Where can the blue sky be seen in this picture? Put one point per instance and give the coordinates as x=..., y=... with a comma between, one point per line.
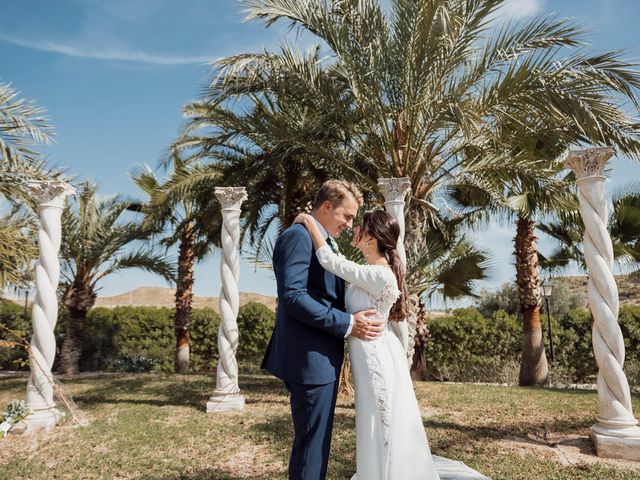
x=114, y=75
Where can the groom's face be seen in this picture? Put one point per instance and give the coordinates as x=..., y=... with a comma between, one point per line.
x=339, y=218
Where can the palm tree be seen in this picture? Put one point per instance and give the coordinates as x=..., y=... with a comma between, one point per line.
x=407, y=92
x=524, y=197
x=17, y=248
x=22, y=126
x=422, y=91
x=97, y=243
x=281, y=139
x=446, y=266
x=624, y=227
x=189, y=227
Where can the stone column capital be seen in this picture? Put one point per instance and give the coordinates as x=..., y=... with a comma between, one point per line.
x=231, y=197
x=589, y=162
x=51, y=193
x=394, y=189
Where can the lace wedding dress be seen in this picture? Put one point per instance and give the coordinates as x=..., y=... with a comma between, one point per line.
x=391, y=443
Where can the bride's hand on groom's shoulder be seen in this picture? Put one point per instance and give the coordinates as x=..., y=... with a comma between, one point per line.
x=365, y=326
x=303, y=218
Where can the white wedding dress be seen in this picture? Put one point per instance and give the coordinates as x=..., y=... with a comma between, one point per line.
x=391, y=443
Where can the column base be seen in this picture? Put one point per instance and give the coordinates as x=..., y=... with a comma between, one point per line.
x=223, y=402
x=616, y=443
x=38, y=421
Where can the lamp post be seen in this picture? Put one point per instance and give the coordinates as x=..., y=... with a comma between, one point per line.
x=547, y=290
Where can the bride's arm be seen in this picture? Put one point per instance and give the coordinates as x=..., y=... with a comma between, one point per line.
x=366, y=277
x=312, y=227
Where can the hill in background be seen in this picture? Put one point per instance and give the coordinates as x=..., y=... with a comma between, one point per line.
x=166, y=297
x=628, y=287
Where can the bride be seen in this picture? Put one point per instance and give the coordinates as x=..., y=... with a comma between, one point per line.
x=391, y=443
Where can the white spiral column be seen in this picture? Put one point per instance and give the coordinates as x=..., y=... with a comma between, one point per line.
x=616, y=434
x=227, y=395
x=394, y=190
x=51, y=197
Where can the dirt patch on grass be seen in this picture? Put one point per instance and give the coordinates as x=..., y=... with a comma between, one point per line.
x=569, y=450
x=252, y=461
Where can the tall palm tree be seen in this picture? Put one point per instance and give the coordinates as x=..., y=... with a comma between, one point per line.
x=525, y=198
x=97, y=242
x=426, y=85
x=409, y=91
x=189, y=226
x=393, y=95
x=22, y=127
x=281, y=139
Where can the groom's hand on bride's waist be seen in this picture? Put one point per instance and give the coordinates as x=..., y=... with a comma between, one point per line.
x=366, y=326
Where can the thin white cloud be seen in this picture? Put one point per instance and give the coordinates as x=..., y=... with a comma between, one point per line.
x=106, y=53
x=518, y=9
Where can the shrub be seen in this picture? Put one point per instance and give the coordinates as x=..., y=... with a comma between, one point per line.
x=255, y=324
x=203, y=342
x=469, y=347
x=111, y=334
x=573, y=348
x=134, y=363
x=12, y=318
x=466, y=346
x=143, y=338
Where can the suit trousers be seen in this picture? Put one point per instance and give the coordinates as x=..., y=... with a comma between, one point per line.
x=312, y=409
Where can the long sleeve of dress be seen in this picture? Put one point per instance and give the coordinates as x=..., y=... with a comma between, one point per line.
x=367, y=277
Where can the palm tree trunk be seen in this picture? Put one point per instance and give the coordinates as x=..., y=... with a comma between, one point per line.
x=184, y=296
x=533, y=369
x=78, y=301
x=422, y=336
x=416, y=221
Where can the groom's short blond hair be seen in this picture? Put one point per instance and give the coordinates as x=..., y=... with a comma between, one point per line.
x=335, y=191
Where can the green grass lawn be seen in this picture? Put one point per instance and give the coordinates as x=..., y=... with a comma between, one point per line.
x=154, y=427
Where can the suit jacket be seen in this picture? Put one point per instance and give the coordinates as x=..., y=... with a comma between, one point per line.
x=307, y=345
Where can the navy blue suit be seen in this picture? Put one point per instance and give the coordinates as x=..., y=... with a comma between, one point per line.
x=307, y=347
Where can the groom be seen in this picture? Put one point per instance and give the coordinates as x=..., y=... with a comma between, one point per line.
x=307, y=346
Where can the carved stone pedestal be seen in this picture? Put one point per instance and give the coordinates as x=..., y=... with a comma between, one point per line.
x=221, y=402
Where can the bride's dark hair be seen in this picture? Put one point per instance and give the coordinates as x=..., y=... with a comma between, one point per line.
x=385, y=229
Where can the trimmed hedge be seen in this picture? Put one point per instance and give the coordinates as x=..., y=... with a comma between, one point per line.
x=142, y=338
x=465, y=346
x=469, y=347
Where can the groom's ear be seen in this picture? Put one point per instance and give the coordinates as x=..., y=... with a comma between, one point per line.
x=326, y=206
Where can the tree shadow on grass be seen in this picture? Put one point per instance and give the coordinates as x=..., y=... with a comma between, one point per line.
x=11, y=383
x=149, y=392
x=460, y=434
x=170, y=391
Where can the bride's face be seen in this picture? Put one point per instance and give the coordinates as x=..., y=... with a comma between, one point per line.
x=360, y=239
